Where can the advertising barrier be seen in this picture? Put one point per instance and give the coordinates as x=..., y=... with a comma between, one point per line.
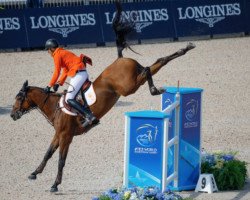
x=13, y=32
x=77, y=25
x=209, y=17
x=30, y=28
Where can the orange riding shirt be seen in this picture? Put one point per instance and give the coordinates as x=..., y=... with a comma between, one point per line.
x=67, y=61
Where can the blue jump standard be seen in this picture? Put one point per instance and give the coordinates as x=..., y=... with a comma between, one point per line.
x=151, y=159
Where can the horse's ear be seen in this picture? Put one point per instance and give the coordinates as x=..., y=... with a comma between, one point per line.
x=25, y=85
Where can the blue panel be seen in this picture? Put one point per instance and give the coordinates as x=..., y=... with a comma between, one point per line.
x=77, y=25
x=208, y=17
x=152, y=19
x=190, y=139
x=12, y=29
x=145, y=152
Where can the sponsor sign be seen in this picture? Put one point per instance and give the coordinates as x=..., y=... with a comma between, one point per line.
x=208, y=17
x=77, y=25
x=12, y=30
x=152, y=20
x=30, y=28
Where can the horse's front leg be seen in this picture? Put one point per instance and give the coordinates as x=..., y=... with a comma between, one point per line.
x=64, y=147
x=52, y=148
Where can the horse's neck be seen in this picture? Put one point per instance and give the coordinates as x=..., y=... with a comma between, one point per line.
x=47, y=103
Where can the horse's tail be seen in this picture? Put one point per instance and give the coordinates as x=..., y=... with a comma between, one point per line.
x=122, y=28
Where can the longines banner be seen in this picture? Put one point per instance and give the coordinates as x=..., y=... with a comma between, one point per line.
x=209, y=17
x=77, y=25
x=12, y=30
x=30, y=28
x=151, y=19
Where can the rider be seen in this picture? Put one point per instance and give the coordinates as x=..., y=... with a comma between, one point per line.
x=74, y=67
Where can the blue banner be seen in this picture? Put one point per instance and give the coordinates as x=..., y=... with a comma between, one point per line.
x=30, y=28
x=12, y=30
x=208, y=17
x=152, y=19
x=77, y=25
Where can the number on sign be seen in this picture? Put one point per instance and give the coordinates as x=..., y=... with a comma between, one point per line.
x=203, y=183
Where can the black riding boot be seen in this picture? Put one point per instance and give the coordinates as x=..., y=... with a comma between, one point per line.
x=85, y=111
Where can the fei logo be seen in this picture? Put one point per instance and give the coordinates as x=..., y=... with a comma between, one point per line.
x=147, y=135
x=63, y=24
x=168, y=102
x=209, y=14
x=141, y=18
x=191, y=112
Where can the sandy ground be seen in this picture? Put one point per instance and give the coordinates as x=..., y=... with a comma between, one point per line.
x=95, y=161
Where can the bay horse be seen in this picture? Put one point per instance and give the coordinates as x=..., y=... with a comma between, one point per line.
x=122, y=78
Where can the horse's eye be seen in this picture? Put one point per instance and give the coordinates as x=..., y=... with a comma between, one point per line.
x=19, y=98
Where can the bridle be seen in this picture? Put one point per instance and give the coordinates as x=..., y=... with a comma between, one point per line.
x=22, y=97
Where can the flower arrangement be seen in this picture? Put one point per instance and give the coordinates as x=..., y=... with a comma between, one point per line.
x=137, y=193
x=229, y=172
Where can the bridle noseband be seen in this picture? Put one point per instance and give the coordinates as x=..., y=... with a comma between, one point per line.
x=21, y=97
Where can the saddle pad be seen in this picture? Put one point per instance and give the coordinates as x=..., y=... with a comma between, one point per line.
x=65, y=109
x=90, y=97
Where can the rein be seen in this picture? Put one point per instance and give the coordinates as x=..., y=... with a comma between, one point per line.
x=54, y=115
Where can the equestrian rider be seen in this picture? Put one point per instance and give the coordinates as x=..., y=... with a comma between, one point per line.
x=74, y=67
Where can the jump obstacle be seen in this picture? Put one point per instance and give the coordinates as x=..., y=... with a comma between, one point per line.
x=162, y=148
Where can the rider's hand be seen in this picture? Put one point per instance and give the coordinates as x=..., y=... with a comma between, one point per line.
x=55, y=87
x=47, y=89
x=87, y=60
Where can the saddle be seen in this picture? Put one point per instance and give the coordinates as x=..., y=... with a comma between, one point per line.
x=85, y=96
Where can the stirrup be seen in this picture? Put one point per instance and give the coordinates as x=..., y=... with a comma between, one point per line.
x=93, y=121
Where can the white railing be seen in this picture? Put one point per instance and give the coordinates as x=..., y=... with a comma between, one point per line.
x=168, y=178
x=13, y=4
x=20, y=4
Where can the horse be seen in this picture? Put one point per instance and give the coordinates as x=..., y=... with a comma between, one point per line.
x=122, y=78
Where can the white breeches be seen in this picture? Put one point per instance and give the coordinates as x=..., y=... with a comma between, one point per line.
x=75, y=84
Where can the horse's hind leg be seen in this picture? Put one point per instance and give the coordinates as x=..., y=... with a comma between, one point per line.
x=52, y=148
x=163, y=61
x=153, y=90
x=149, y=71
x=64, y=147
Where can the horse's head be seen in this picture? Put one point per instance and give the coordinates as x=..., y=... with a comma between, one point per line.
x=22, y=104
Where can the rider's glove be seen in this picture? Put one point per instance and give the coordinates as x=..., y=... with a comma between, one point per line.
x=55, y=87
x=47, y=89
x=87, y=60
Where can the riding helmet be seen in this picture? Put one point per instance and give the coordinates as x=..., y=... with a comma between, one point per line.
x=51, y=43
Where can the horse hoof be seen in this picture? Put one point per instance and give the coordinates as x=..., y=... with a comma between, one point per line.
x=191, y=45
x=32, y=177
x=53, y=189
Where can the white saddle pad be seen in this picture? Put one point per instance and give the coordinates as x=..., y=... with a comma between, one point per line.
x=90, y=97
